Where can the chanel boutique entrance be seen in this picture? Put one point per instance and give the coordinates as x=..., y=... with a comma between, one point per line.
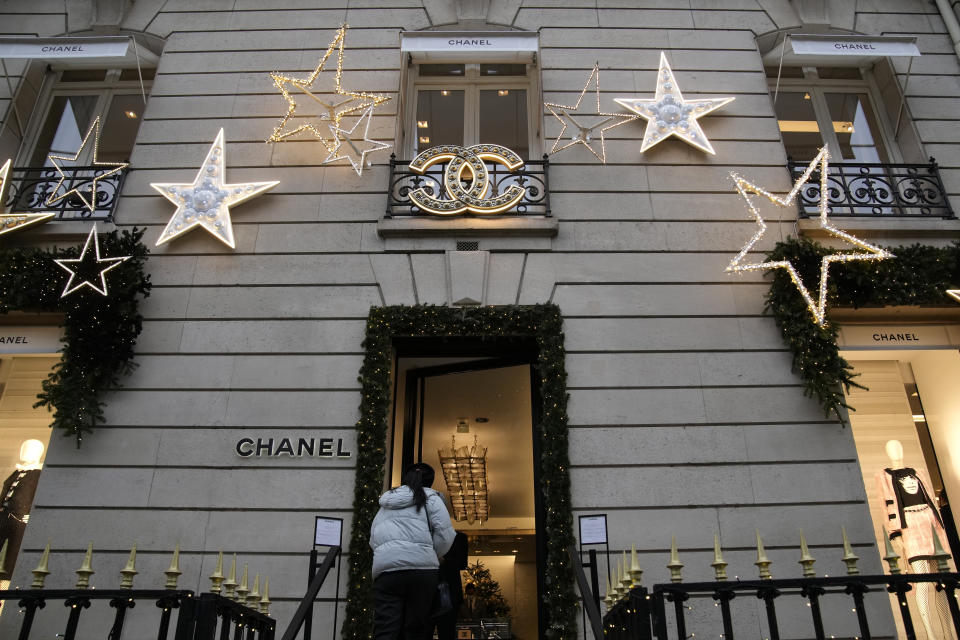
x=470, y=414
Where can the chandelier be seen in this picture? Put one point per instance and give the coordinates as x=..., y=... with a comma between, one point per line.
x=465, y=472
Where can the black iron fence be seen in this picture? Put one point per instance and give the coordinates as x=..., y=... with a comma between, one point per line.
x=183, y=615
x=661, y=612
x=90, y=197
x=875, y=190
x=531, y=177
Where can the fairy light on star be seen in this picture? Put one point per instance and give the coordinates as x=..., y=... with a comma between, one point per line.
x=88, y=262
x=571, y=117
x=343, y=102
x=347, y=145
x=669, y=114
x=16, y=221
x=954, y=293
x=91, y=204
x=207, y=200
x=818, y=306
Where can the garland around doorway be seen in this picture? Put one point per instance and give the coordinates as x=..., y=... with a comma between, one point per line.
x=544, y=324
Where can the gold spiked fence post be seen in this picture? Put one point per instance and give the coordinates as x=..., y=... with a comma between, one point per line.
x=86, y=569
x=231, y=582
x=216, y=578
x=636, y=573
x=719, y=564
x=625, y=575
x=849, y=557
x=242, y=588
x=890, y=556
x=806, y=560
x=675, y=566
x=763, y=562
x=173, y=571
x=265, y=598
x=129, y=571
x=43, y=569
x=254, y=596
x=3, y=560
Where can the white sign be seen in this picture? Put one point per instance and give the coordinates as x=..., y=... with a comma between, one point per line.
x=36, y=340
x=854, y=45
x=593, y=529
x=49, y=48
x=468, y=41
x=894, y=336
x=328, y=532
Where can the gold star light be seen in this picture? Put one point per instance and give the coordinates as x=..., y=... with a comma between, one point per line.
x=344, y=138
x=344, y=102
x=954, y=293
x=206, y=202
x=91, y=204
x=818, y=308
x=14, y=221
x=89, y=263
x=584, y=134
x=668, y=114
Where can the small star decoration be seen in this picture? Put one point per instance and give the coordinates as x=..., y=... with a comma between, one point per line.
x=206, y=202
x=91, y=204
x=585, y=134
x=14, y=221
x=87, y=264
x=345, y=139
x=343, y=103
x=818, y=308
x=668, y=114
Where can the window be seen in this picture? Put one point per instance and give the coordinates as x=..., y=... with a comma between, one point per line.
x=471, y=103
x=819, y=106
x=76, y=98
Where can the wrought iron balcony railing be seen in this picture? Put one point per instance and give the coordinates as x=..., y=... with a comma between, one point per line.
x=532, y=177
x=32, y=187
x=875, y=190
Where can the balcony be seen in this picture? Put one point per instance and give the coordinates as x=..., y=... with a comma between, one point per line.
x=31, y=187
x=531, y=177
x=866, y=190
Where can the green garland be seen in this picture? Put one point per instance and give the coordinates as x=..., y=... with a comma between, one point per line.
x=545, y=325
x=99, y=332
x=917, y=275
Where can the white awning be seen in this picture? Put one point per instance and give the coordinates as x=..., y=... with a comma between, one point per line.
x=470, y=46
x=76, y=51
x=839, y=50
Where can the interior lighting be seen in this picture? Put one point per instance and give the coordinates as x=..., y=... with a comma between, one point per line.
x=811, y=126
x=444, y=92
x=806, y=96
x=919, y=417
x=424, y=139
x=131, y=114
x=422, y=124
x=465, y=473
x=503, y=92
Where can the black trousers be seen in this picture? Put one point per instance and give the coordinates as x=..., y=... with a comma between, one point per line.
x=401, y=604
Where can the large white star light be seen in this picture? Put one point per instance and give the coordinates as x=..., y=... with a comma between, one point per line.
x=818, y=307
x=346, y=147
x=13, y=221
x=584, y=133
x=668, y=114
x=206, y=202
x=88, y=263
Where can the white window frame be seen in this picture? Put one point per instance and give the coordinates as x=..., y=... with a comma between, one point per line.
x=104, y=90
x=471, y=83
x=818, y=88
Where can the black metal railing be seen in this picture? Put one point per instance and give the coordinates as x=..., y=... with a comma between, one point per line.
x=589, y=592
x=532, y=177
x=32, y=187
x=875, y=190
x=302, y=614
x=205, y=617
x=643, y=614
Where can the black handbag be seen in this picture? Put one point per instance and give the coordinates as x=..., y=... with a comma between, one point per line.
x=442, y=600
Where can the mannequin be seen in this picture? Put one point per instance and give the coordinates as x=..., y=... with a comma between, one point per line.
x=912, y=517
x=17, y=498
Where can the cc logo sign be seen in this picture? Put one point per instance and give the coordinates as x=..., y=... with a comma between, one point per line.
x=466, y=179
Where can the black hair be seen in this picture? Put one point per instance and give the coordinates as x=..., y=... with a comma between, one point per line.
x=417, y=476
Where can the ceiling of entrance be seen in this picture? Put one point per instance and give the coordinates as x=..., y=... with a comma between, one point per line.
x=502, y=397
x=20, y=380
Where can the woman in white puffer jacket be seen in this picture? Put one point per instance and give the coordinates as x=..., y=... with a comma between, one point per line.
x=409, y=533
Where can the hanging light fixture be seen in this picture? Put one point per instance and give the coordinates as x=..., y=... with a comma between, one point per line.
x=465, y=472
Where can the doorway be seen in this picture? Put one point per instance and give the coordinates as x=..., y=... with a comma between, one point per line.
x=471, y=417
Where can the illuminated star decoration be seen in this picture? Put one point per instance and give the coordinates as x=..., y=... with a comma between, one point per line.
x=343, y=103
x=584, y=134
x=817, y=308
x=954, y=293
x=13, y=221
x=345, y=138
x=89, y=263
x=668, y=114
x=91, y=204
x=206, y=202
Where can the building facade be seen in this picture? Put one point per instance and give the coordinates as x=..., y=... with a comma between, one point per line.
x=685, y=416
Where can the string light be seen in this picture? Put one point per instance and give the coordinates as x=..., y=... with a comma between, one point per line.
x=817, y=308
x=668, y=114
x=110, y=263
x=344, y=137
x=14, y=221
x=583, y=135
x=206, y=202
x=353, y=102
x=91, y=204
